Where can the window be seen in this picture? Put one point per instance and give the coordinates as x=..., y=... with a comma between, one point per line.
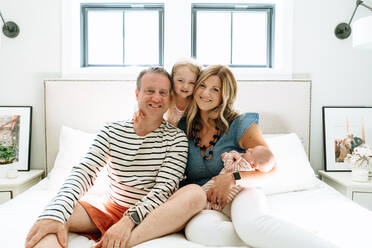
x=257, y=35
x=239, y=35
x=122, y=35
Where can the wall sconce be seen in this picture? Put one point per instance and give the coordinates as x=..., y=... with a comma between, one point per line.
x=10, y=29
x=362, y=36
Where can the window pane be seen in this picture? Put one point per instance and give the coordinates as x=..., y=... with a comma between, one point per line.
x=213, y=37
x=141, y=37
x=105, y=37
x=249, y=38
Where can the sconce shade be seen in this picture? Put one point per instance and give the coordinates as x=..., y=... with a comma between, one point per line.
x=362, y=33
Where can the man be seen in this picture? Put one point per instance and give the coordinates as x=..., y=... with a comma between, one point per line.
x=146, y=159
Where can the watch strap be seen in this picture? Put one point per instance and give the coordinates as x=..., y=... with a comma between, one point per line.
x=237, y=177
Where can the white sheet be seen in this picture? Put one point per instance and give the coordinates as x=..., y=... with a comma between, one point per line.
x=18, y=215
x=321, y=210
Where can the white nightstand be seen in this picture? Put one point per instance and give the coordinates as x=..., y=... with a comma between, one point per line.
x=361, y=193
x=10, y=187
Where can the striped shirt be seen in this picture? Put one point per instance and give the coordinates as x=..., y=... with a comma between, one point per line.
x=143, y=171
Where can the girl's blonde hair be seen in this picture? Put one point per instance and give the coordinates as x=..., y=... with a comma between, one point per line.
x=189, y=63
x=224, y=113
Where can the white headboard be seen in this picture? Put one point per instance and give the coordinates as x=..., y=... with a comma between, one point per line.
x=284, y=106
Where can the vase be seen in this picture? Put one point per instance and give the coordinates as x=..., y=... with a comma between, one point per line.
x=359, y=175
x=3, y=170
x=370, y=168
x=12, y=171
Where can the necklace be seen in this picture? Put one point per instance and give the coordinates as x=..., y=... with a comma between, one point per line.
x=179, y=111
x=203, y=148
x=176, y=115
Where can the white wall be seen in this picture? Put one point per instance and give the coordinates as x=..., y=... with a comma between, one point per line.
x=341, y=75
x=28, y=59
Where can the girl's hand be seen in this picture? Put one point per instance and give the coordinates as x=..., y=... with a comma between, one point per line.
x=220, y=189
x=138, y=116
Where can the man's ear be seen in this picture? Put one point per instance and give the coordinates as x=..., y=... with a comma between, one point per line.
x=136, y=92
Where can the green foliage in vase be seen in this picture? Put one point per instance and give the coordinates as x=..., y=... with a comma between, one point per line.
x=8, y=154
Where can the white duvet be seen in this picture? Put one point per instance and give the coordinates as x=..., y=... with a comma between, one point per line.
x=321, y=210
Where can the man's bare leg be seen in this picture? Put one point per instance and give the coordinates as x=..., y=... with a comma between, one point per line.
x=171, y=216
x=78, y=222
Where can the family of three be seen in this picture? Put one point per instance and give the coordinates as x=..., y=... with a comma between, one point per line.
x=185, y=135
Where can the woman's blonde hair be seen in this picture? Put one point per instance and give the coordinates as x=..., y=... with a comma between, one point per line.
x=224, y=113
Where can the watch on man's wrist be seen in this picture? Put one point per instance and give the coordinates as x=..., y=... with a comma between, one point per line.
x=135, y=218
x=237, y=177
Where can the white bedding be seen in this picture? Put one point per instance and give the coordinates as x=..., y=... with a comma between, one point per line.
x=316, y=207
x=321, y=210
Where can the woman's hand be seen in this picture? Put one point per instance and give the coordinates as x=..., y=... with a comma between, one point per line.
x=117, y=236
x=220, y=189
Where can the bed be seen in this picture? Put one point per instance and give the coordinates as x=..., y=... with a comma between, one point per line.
x=76, y=109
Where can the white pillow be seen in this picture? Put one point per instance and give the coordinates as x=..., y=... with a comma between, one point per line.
x=73, y=145
x=293, y=171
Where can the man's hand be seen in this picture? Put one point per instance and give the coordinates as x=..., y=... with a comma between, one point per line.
x=43, y=227
x=117, y=235
x=220, y=189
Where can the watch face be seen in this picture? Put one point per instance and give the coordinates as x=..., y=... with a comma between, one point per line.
x=236, y=175
x=135, y=217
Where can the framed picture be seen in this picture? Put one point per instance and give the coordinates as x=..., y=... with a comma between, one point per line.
x=344, y=129
x=15, y=136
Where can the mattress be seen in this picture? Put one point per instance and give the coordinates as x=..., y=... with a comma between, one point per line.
x=321, y=210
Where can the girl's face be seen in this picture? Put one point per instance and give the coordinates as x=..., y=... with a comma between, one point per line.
x=208, y=95
x=184, y=81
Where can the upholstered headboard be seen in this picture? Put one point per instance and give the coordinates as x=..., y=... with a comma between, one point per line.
x=284, y=106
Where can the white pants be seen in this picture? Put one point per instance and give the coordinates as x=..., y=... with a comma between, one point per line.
x=251, y=224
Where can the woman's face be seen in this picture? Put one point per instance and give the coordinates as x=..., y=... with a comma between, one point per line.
x=208, y=95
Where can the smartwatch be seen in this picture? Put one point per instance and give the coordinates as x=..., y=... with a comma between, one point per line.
x=237, y=177
x=135, y=218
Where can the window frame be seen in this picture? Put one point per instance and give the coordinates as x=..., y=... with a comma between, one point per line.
x=124, y=7
x=237, y=7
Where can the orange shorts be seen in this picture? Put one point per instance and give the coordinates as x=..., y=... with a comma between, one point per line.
x=103, y=216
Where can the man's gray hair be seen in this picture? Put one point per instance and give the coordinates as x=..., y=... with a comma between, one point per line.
x=154, y=69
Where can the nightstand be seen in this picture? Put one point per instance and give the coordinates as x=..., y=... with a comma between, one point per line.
x=10, y=187
x=361, y=193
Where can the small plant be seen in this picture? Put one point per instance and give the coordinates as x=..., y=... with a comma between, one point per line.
x=8, y=154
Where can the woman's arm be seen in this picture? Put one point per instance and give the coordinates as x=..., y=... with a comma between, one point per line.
x=252, y=137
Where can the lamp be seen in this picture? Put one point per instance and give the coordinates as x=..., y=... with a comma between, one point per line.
x=10, y=29
x=362, y=36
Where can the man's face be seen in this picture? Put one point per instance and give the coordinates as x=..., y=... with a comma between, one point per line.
x=154, y=96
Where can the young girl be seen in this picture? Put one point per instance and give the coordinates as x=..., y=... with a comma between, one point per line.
x=184, y=74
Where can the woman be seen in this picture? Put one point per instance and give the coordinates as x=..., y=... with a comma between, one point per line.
x=213, y=127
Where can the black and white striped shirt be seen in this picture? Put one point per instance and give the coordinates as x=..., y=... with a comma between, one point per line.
x=143, y=171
